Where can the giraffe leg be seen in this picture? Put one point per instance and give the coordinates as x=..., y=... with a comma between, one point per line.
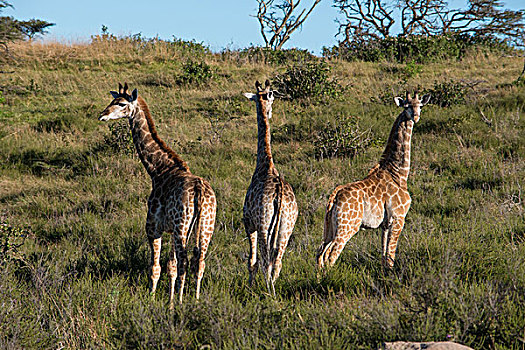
x=335, y=247
x=154, y=269
x=204, y=243
x=386, y=226
x=390, y=239
x=182, y=265
x=252, y=259
x=172, y=270
x=282, y=244
x=265, y=258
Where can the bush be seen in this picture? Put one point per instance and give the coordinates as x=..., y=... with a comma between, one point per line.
x=119, y=139
x=269, y=56
x=196, y=73
x=448, y=93
x=416, y=48
x=11, y=238
x=343, y=138
x=443, y=94
x=310, y=80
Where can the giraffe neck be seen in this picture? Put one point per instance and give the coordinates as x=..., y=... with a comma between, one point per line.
x=264, y=150
x=396, y=157
x=156, y=156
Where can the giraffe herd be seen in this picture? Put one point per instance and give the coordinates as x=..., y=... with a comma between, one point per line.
x=183, y=204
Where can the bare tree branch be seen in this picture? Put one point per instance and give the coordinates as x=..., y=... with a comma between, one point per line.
x=278, y=21
x=375, y=19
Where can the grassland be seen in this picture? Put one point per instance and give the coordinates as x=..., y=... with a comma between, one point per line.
x=80, y=278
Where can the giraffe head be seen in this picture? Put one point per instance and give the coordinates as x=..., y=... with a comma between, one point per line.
x=263, y=98
x=123, y=104
x=412, y=106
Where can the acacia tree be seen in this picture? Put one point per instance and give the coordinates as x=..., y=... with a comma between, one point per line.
x=364, y=19
x=278, y=19
x=12, y=29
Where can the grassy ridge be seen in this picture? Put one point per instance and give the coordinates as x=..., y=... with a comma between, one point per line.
x=80, y=279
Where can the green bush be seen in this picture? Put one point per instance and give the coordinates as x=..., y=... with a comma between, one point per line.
x=11, y=239
x=448, y=93
x=342, y=138
x=196, y=73
x=119, y=139
x=415, y=48
x=307, y=81
x=268, y=56
x=443, y=94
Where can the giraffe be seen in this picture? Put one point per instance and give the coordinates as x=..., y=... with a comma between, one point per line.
x=382, y=198
x=180, y=203
x=270, y=208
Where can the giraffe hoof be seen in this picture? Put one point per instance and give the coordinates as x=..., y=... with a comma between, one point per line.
x=388, y=264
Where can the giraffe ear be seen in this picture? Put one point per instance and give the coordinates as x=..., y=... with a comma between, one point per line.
x=250, y=96
x=399, y=101
x=134, y=95
x=114, y=94
x=425, y=99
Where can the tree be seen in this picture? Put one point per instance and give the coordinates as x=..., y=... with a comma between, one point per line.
x=278, y=22
x=34, y=27
x=12, y=29
x=366, y=19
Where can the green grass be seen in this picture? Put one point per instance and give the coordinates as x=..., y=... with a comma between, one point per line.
x=80, y=279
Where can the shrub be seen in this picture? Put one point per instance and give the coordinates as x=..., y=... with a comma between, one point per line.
x=119, y=139
x=196, y=73
x=416, y=48
x=269, y=56
x=11, y=238
x=310, y=80
x=343, y=138
x=448, y=93
x=412, y=69
x=443, y=94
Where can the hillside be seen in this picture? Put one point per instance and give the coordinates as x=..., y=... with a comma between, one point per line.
x=73, y=195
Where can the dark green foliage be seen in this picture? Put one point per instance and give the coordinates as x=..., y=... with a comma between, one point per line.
x=444, y=94
x=34, y=27
x=119, y=139
x=197, y=73
x=11, y=239
x=257, y=54
x=310, y=81
x=12, y=29
x=448, y=93
x=412, y=69
x=416, y=48
x=343, y=138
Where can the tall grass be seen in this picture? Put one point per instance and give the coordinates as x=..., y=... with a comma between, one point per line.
x=80, y=278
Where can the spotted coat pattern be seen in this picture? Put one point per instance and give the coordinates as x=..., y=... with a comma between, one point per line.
x=270, y=209
x=180, y=203
x=381, y=199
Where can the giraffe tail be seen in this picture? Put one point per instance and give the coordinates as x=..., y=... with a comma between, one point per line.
x=196, y=224
x=275, y=224
x=328, y=234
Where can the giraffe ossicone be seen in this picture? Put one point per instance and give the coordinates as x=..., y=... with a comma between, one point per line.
x=270, y=208
x=381, y=199
x=180, y=203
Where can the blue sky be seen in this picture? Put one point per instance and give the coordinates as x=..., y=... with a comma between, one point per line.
x=218, y=24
